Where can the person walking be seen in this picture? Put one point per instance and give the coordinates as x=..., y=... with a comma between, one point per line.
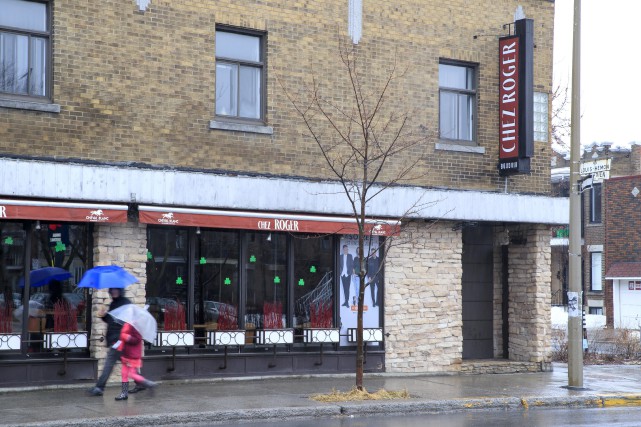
x=130, y=346
x=113, y=335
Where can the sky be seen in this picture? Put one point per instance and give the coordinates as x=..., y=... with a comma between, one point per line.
x=610, y=67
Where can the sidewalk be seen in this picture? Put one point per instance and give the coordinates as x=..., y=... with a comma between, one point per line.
x=287, y=398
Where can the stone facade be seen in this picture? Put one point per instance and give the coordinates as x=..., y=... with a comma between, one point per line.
x=529, y=304
x=423, y=302
x=124, y=245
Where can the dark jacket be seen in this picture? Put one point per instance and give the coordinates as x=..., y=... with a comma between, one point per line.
x=131, y=342
x=113, y=327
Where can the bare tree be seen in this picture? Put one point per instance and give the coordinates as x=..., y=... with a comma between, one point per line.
x=560, y=130
x=369, y=144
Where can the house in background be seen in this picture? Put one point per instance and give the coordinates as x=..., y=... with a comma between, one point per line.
x=595, y=214
x=622, y=261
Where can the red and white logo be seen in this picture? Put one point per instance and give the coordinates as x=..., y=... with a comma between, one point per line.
x=167, y=218
x=97, y=215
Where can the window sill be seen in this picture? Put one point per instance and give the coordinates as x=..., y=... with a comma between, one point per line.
x=448, y=146
x=241, y=127
x=33, y=106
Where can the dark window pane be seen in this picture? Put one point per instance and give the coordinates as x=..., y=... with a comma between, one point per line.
x=167, y=276
x=266, y=271
x=595, y=204
x=216, y=292
x=313, y=282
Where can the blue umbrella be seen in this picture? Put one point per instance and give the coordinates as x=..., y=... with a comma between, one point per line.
x=43, y=276
x=107, y=276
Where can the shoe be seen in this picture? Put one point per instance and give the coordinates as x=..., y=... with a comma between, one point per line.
x=137, y=388
x=124, y=394
x=96, y=391
x=151, y=386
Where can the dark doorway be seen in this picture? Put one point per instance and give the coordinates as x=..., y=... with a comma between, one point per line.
x=477, y=293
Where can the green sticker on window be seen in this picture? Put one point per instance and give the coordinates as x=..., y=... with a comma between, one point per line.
x=203, y=260
x=301, y=282
x=312, y=269
x=252, y=258
x=276, y=279
x=179, y=280
x=8, y=241
x=149, y=255
x=227, y=281
x=60, y=247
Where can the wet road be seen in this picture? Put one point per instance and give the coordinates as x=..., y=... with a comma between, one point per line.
x=583, y=417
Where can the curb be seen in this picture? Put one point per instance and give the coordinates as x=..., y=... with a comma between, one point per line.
x=352, y=409
x=178, y=418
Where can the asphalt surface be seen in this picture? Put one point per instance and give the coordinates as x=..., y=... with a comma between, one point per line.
x=280, y=398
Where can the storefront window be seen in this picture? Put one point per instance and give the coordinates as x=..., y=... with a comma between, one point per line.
x=266, y=272
x=313, y=282
x=168, y=277
x=216, y=282
x=54, y=305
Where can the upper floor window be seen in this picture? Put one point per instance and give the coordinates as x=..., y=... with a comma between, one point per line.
x=595, y=203
x=239, y=75
x=457, y=101
x=24, y=48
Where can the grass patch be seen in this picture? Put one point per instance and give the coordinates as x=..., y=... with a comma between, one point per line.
x=355, y=394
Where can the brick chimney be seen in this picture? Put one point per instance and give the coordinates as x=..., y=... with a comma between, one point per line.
x=635, y=158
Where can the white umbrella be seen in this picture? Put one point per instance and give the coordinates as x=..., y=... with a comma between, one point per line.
x=137, y=317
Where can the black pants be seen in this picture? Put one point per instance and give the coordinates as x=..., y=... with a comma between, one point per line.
x=113, y=356
x=347, y=281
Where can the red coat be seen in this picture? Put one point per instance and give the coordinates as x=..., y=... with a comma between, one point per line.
x=131, y=342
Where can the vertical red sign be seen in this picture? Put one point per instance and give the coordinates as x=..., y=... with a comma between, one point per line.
x=509, y=98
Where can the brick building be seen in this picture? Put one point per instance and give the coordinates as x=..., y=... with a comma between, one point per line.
x=159, y=136
x=625, y=162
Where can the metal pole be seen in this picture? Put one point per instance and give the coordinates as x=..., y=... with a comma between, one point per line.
x=575, y=332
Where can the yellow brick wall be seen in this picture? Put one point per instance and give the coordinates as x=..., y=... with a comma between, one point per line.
x=139, y=87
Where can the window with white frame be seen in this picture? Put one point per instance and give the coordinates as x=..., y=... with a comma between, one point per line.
x=595, y=270
x=457, y=101
x=24, y=48
x=239, y=75
x=541, y=116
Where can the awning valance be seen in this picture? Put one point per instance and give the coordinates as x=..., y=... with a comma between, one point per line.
x=61, y=211
x=264, y=221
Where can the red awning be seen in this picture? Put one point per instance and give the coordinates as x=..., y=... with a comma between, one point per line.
x=264, y=221
x=60, y=211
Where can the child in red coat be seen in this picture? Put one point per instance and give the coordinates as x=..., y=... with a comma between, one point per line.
x=130, y=344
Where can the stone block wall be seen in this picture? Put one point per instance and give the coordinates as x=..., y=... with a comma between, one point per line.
x=124, y=245
x=423, y=299
x=530, y=299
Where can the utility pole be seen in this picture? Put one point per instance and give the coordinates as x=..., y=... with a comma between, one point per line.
x=575, y=313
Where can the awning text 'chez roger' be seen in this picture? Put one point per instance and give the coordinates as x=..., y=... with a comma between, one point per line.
x=264, y=221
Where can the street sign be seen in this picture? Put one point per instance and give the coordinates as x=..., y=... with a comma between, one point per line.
x=588, y=168
x=599, y=176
